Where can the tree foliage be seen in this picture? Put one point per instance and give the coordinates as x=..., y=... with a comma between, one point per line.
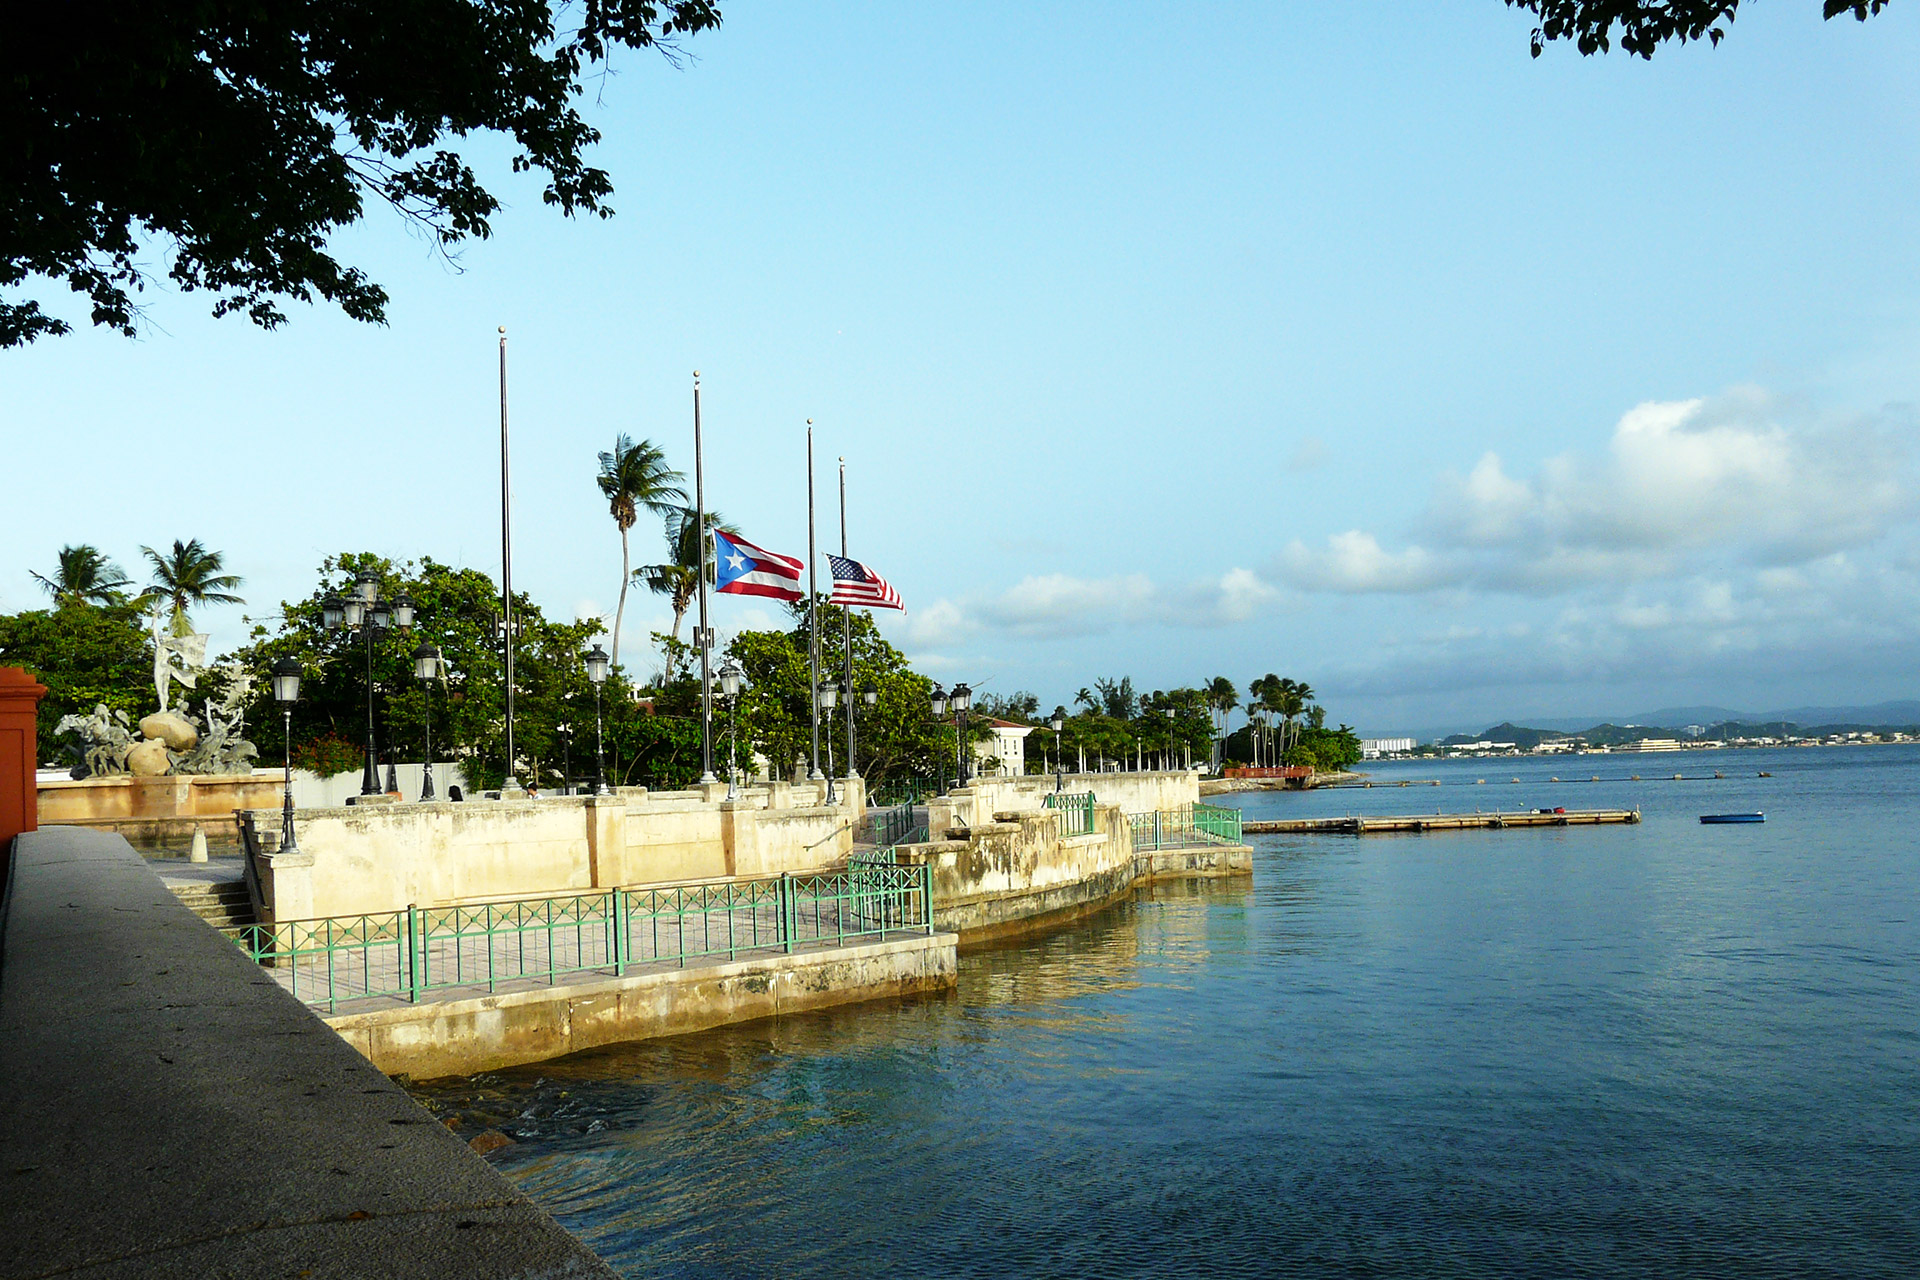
x=85, y=655
x=1644, y=25
x=238, y=135
x=83, y=575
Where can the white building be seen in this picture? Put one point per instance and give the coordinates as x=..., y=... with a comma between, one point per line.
x=1374, y=748
x=1006, y=749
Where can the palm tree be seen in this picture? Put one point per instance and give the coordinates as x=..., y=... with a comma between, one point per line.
x=187, y=576
x=85, y=576
x=679, y=578
x=1221, y=699
x=635, y=474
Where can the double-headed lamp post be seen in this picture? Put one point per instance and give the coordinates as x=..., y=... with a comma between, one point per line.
x=365, y=610
x=961, y=702
x=828, y=697
x=598, y=666
x=1057, y=723
x=426, y=665
x=286, y=692
x=731, y=677
x=937, y=704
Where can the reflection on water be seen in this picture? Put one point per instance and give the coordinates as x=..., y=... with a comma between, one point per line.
x=1662, y=1049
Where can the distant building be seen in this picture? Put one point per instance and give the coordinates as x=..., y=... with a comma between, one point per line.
x=1650, y=744
x=1007, y=747
x=1374, y=748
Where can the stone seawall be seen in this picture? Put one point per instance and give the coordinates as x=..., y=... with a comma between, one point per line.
x=460, y=1037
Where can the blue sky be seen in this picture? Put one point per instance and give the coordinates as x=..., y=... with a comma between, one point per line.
x=1350, y=344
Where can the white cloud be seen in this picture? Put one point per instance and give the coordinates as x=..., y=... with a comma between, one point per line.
x=1741, y=479
x=1356, y=562
x=1059, y=606
x=1308, y=455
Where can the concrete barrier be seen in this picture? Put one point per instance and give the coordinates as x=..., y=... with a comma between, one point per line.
x=485, y=1033
x=167, y=1110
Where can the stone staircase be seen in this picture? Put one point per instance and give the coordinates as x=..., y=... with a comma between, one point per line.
x=221, y=903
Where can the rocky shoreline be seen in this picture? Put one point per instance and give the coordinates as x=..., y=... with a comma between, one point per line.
x=1225, y=786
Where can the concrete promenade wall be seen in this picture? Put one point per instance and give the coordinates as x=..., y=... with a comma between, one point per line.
x=360, y=859
x=1013, y=877
x=167, y=1110
x=157, y=810
x=1162, y=791
x=460, y=1037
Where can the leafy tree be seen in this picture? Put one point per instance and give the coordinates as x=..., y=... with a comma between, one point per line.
x=635, y=474
x=85, y=655
x=242, y=133
x=84, y=575
x=186, y=576
x=678, y=578
x=1645, y=25
x=1117, y=698
x=456, y=610
x=1020, y=706
x=895, y=737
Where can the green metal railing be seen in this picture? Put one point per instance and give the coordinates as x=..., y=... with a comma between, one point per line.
x=891, y=794
x=407, y=954
x=1075, y=809
x=1189, y=827
x=897, y=826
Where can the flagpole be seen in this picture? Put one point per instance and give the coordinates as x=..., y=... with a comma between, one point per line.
x=846, y=629
x=705, y=636
x=813, y=629
x=511, y=783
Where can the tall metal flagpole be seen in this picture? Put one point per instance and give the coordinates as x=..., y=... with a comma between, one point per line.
x=813, y=629
x=846, y=631
x=506, y=558
x=705, y=636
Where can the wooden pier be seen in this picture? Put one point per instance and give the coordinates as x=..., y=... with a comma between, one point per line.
x=1417, y=822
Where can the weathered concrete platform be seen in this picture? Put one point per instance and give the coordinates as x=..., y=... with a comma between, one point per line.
x=1421, y=822
x=484, y=1033
x=167, y=1110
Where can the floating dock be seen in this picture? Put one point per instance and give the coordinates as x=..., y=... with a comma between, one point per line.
x=1416, y=822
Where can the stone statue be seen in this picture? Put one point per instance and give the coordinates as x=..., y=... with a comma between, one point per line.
x=170, y=739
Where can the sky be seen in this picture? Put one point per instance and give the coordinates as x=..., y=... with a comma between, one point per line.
x=1345, y=342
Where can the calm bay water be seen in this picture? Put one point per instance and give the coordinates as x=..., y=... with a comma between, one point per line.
x=1621, y=1051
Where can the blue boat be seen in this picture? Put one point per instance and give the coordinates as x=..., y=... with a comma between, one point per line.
x=1716, y=818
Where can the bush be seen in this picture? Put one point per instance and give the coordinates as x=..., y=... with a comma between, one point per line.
x=329, y=754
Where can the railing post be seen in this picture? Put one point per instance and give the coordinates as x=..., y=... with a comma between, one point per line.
x=926, y=894
x=1156, y=830
x=413, y=953
x=617, y=921
x=788, y=918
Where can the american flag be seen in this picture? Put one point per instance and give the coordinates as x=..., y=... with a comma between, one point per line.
x=855, y=584
x=742, y=569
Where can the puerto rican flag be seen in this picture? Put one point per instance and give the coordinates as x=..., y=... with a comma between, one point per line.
x=855, y=584
x=742, y=569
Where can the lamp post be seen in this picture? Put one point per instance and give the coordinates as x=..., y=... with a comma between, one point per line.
x=364, y=610
x=961, y=701
x=869, y=696
x=937, y=703
x=426, y=665
x=730, y=678
x=827, y=696
x=598, y=664
x=286, y=692
x=1056, y=724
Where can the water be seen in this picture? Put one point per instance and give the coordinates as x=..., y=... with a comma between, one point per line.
x=1665, y=1049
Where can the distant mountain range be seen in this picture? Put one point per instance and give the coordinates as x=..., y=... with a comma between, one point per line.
x=1880, y=715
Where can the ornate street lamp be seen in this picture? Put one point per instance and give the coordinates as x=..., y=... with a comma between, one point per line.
x=937, y=703
x=828, y=697
x=426, y=665
x=286, y=691
x=1056, y=724
x=731, y=677
x=364, y=610
x=598, y=665
x=961, y=701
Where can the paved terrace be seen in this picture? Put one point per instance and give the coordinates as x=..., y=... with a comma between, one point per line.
x=167, y=1110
